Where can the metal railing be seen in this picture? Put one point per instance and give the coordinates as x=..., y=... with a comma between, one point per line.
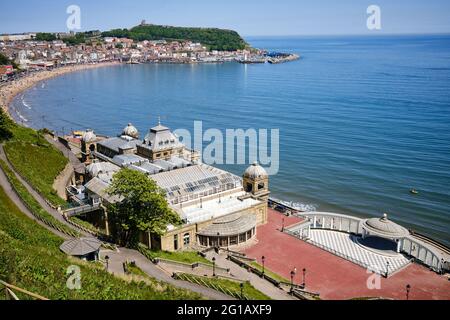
x=81, y=210
x=340, y=254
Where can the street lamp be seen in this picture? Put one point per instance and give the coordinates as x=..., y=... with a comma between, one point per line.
x=387, y=269
x=282, y=227
x=304, y=279
x=293, y=272
x=214, y=266
x=408, y=290
x=263, y=259
x=107, y=262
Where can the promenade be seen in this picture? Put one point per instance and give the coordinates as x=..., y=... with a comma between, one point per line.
x=336, y=278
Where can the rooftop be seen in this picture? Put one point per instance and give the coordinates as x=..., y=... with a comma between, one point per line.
x=385, y=228
x=231, y=225
x=218, y=207
x=80, y=247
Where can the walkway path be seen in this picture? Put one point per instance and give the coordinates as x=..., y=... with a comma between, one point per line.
x=116, y=260
x=42, y=202
x=4, y=183
x=240, y=273
x=336, y=278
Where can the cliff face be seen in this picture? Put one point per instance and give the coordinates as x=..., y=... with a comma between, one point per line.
x=215, y=39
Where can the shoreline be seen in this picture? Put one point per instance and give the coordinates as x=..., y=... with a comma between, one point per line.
x=12, y=89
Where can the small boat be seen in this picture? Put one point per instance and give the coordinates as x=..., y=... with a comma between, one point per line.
x=414, y=191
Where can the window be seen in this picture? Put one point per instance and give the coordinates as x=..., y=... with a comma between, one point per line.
x=186, y=239
x=203, y=241
x=261, y=186
x=175, y=242
x=249, y=187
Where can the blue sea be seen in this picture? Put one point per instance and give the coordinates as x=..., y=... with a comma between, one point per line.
x=362, y=119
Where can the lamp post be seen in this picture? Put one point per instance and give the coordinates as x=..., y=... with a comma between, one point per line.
x=408, y=290
x=107, y=262
x=242, y=290
x=387, y=269
x=214, y=266
x=304, y=278
x=282, y=227
x=293, y=272
x=263, y=259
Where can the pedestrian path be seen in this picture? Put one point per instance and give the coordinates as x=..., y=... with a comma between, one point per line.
x=240, y=273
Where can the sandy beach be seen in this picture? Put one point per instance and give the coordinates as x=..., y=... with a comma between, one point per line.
x=11, y=89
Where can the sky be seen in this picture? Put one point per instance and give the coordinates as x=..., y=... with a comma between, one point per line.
x=248, y=17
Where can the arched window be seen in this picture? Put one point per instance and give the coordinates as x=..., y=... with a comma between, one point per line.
x=249, y=187
x=261, y=186
x=186, y=239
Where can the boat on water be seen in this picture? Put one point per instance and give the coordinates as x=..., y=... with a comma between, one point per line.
x=414, y=191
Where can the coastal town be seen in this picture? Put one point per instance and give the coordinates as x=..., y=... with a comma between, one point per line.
x=196, y=231
x=31, y=54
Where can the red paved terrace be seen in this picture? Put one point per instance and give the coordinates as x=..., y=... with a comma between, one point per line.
x=333, y=277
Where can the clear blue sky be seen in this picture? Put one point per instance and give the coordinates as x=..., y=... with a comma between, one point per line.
x=248, y=17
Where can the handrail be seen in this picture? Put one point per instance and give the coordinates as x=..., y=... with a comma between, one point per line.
x=31, y=294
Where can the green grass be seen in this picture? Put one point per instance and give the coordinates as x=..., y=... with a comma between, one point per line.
x=189, y=257
x=269, y=273
x=36, y=160
x=30, y=259
x=86, y=225
x=229, y=287
x=33, y=205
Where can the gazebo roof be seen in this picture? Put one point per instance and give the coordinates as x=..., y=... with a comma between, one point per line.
x=384, y=227
x=80, y=247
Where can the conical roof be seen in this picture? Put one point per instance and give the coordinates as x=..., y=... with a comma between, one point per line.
x=81, y=246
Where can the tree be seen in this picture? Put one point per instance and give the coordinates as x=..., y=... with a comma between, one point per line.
x=142, y=207
x=6, y=125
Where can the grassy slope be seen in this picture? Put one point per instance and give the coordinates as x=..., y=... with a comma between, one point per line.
x=30, y=258
x=32, y=204
x=36, y=160
x=189, y=257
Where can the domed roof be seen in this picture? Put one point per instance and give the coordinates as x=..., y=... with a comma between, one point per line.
x=89, y=136
x=255, y=171
x=130, y=131
x=385, y=227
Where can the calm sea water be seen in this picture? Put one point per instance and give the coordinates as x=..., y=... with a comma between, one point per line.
x=362, y=120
